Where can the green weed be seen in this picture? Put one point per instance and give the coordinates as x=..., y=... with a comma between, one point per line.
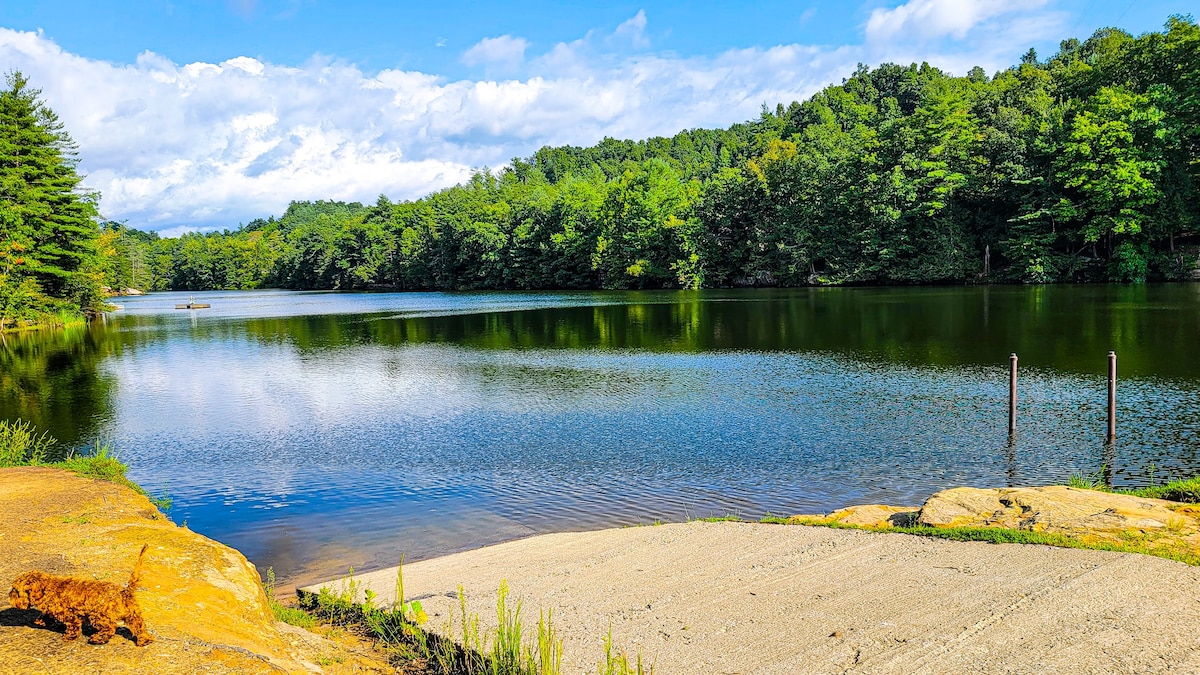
x=20, y=444
x=289, y=615
x=1186, y=490
x=617, y=663
x=1082, y=481
x=1182, y=490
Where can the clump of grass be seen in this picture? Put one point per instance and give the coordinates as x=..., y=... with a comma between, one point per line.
x=728, y=518
x=20, y=444
x=1182, y=490
x=1185, y=490
x=1093, y=481
x=100, y=462
x=290, y=615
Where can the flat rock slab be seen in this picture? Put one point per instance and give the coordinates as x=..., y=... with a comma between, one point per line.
x=755, y=598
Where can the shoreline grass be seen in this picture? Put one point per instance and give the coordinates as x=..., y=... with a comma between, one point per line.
x=46, y=321
x=511, y=648
x=21, y=445
x=1003, y=535
x=1183, y=490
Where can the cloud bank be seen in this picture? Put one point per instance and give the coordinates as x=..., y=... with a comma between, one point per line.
x=204, y=145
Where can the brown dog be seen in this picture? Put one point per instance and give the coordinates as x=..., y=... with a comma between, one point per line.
x=73, y=601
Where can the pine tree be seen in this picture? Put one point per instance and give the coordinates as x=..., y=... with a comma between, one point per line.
x=48, y=225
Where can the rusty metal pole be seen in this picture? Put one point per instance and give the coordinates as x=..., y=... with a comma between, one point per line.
x=1012, y=394
x=1112, y=396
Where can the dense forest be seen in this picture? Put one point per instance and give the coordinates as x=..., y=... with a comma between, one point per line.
x=50, y=269
x=1081, y=167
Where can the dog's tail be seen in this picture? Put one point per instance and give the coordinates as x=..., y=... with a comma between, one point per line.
x=136, y=575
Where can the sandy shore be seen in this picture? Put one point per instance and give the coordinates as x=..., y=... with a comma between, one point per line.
x=751, y=598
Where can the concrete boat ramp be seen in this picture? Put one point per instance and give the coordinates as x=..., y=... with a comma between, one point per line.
x=772, y=599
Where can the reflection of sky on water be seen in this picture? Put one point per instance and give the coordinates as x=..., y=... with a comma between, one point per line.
x=349, y=453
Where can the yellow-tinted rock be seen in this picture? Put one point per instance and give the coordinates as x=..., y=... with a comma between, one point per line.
x=201, y=599
x=1059, y=509
x=1090, y=517
x=867, y=515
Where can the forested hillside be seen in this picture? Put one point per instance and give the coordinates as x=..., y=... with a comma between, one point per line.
x=1081, y=167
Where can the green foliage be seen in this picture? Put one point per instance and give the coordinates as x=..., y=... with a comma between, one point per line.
x=1081, y=167
x=1084, y=481
x=100, y=463
x=1185, y=490
x=48, y=232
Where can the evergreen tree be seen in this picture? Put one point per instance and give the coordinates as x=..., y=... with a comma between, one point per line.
x=48, y=229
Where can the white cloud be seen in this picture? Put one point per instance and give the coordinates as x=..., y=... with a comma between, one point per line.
x=929, y=19
x=211, y=145
x=505, y=50
x=633, y=30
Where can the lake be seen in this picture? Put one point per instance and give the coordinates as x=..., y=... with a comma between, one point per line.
x=320, y=431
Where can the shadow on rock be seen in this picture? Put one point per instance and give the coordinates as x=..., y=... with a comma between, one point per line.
x=19, y=617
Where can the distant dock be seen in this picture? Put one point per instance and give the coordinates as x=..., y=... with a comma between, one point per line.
x=192, y=304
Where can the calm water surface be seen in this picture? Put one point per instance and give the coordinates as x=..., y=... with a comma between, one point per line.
x=315, y=431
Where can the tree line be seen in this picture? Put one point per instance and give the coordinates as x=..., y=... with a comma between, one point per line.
x=1080, y=167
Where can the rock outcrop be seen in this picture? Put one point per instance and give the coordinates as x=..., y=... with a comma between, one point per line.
x=202, y=600
x=1088, y=516
x=1070, y=511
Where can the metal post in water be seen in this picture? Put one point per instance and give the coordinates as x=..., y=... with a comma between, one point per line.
x=1012, y=394
x=1112, y=396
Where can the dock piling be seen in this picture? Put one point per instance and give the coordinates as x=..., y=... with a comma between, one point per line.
x=1112, y=396
x=1012, y=394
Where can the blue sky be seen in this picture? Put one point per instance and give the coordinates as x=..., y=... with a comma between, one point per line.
x=206, y=114
x=379, y=35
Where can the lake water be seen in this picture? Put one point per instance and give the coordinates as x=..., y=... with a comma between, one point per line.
x=319, y=431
